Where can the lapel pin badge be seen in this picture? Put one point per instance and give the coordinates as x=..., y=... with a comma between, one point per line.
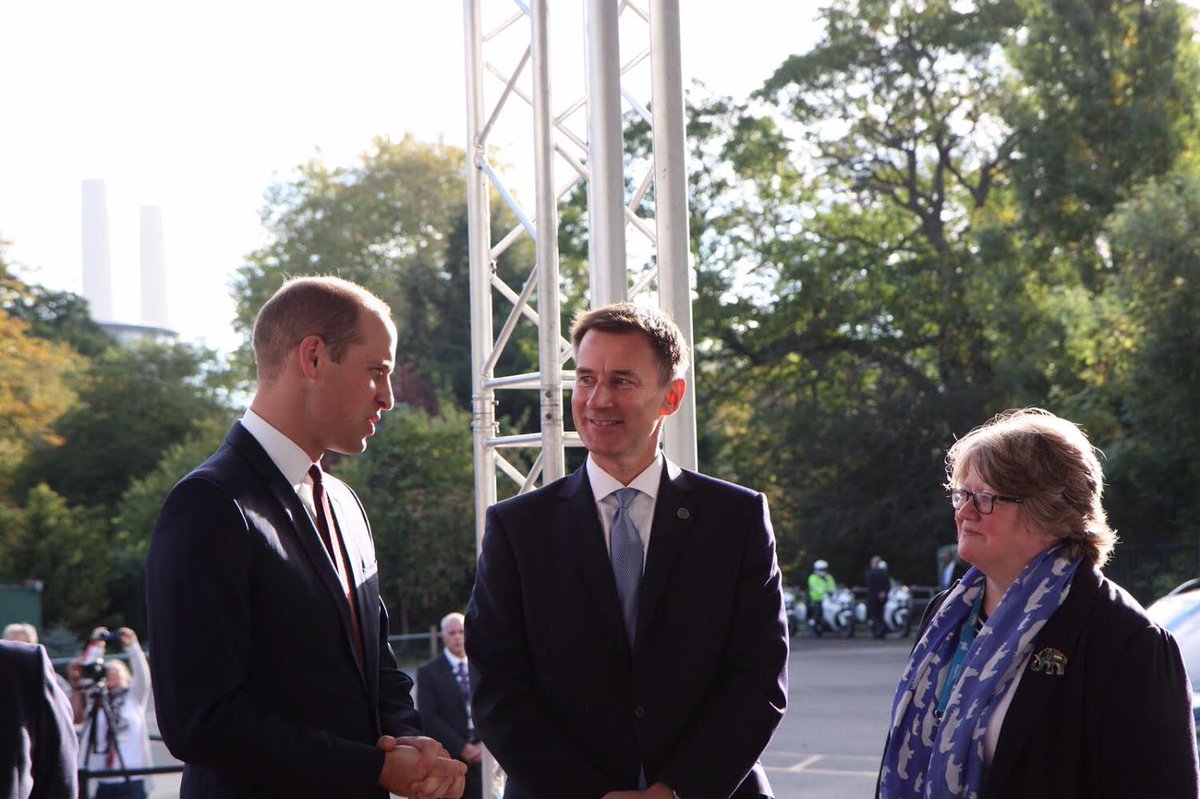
x=683, y=513
x=1050, y=661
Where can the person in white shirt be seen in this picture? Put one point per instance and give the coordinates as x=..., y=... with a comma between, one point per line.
x=115, y=736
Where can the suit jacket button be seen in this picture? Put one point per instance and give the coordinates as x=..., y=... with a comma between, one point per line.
x=639, y=712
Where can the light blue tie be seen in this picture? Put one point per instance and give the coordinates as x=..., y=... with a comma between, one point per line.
x=625, y=550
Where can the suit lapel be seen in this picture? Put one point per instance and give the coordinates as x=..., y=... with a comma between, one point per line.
x=583, y=538
x=301, y=526
x=674, y=513
x=1036, y=689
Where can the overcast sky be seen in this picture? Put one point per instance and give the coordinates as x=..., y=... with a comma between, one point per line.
x=200, y=110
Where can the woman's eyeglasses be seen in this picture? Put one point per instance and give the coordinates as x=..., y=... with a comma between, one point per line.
x=984, y=502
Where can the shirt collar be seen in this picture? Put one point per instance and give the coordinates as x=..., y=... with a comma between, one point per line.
x=604, y=483
x=285, y=453
x=454, y=661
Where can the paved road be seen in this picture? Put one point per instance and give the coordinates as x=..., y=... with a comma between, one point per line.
x=829, y=743
x=840, y=695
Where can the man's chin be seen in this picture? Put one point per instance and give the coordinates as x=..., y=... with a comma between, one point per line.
x=356, y=448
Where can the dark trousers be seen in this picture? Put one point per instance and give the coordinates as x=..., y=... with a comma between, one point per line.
x=875, y=618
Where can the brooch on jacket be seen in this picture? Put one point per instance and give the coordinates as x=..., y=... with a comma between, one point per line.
x=1050, y=661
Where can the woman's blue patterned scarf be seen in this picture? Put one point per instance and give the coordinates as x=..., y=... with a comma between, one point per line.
x=926, y=759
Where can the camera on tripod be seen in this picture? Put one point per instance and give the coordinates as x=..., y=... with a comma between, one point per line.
x=92, y=671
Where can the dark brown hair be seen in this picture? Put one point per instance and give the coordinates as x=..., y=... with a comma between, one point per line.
x=622, y=318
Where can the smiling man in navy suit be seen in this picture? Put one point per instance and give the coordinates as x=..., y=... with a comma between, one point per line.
x=626, y=632
x=273, y=675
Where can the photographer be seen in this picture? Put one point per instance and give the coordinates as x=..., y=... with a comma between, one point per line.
x=115, y=736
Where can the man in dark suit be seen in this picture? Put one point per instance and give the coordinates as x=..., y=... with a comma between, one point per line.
x=627, y=632
x=879, y=583
x=443, y=694
x=272, y=672
x=38, y=747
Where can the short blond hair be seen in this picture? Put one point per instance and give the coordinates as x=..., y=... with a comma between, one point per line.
x=1051, y=465
x=21, y=631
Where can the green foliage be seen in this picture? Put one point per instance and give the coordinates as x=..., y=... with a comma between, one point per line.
x=396, y=224
x=875, y=286
x=37, y=379
x=140, y=399
x=65, y=547
x=59, y=316
x=138, y=511
x=1108, y=99
x=61, y=642
x=416, y=482
x=1156, y=239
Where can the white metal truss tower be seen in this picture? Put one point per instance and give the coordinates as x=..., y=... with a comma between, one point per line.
x=595, y=155
x=509, y=72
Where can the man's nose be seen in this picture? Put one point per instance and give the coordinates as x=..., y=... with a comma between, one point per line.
x=600, y=397
x=386, y=397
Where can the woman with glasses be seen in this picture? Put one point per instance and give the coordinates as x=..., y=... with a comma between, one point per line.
x=1034, y=675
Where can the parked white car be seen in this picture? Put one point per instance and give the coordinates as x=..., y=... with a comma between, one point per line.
x=1179, y=613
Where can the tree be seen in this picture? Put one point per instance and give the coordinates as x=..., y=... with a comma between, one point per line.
x=396, y=224
x=874, y=287
x=137, y=512
x=141, y=399
x=37, y=379
x=851, y=318
x=1107, y=100
x=1156, y=235
x=64, y=547
x=416, y=481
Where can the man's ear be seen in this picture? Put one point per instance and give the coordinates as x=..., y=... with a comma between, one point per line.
x=310, y=353
x=675, y=392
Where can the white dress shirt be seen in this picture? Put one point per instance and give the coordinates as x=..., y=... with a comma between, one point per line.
x=287, y=456
x=641, y=510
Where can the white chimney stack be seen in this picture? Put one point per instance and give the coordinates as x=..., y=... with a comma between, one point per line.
x=97, y=256
x=154, y=268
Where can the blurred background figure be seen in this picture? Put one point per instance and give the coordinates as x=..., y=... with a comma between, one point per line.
x=115, y=735
x=1036, y=676
x=37, y=738
x=951, y=570
x=444, y=702
x=20, y=631
x=820, y=583
x=878, y=584
x=27, y=633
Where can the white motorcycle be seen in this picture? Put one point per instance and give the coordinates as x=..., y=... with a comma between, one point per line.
x=837, y=614
x=897, y=611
